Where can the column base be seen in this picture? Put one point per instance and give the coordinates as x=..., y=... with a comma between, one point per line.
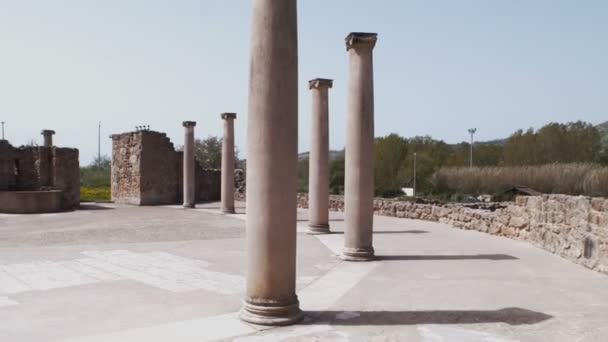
x=271, y=312
x=316, y=229
x=228, y=211
x=358, y=254
x=189, y=205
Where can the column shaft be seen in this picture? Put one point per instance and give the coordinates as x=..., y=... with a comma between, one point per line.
x=47, y=135
x=189, y=187
x=272, y=156
x=359, y=160
x=318, y=181
x=228, y=164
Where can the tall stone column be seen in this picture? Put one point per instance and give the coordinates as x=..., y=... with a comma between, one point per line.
x=272, y=158
x=189, y=200
x=318, y=181
x=48, y=137
x=359, y=164
x=228, y=164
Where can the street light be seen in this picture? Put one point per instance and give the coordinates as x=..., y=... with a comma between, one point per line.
x=414, y=189
x=99, y=145
x=472, y=132
x=2, y=130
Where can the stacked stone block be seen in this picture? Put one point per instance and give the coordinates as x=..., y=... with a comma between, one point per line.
x=147, y=170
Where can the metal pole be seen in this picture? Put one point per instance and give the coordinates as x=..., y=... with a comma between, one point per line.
x=472, y=132
x=471, y=159
x=99, y=145
x=2, y=130
x=414, y=192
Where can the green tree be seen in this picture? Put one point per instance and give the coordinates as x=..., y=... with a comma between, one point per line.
x=555, y=143
x=208, y=153
x=97, y=173
x=391, y=154
x=303, y=165
x=336, y=175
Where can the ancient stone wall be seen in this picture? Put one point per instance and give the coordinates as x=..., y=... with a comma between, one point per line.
x=240, y=179
x=573, y=227
x=7, y=166
x=160, y=170
x=39, y=168
x=65, y=176
x=26, y=170
x=147, y=170
x=208, y=184
x=125, y=174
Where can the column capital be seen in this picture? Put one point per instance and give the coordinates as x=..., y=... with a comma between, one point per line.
x=319, y=83
x=361, y=39
x=189, y=123
x=227, y=116
x=47, y=132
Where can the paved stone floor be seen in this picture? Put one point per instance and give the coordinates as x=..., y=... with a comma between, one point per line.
x=118, y=273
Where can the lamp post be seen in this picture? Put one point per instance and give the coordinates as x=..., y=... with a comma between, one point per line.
x=2, y=130
x=99, y=145
x=472, y=132
x=414, y=190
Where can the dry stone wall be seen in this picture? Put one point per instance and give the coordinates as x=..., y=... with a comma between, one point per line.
x=125, y=174
x=7, y=166
x=65, y=175
x=574, y=227
x=147, y=170
x=40, y=168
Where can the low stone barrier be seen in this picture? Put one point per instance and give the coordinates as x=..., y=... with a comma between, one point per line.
x=574, y=227
x=30, y=202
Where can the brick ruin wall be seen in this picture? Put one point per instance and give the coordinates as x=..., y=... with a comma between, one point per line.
x=573, y=227
x=34, y=168
x=147, y=170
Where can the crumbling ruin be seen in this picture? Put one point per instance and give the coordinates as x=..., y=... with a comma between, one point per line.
x=147, y=170
x=38, y=179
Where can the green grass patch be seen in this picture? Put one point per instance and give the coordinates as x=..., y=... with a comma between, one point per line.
x=95, y=194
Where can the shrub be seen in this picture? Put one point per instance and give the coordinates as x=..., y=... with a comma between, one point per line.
x=99, y=194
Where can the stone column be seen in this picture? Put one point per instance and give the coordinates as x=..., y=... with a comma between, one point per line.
x=228, y=164
x=359, y=164
x=272, y=158
x=48, y=137
x=189, y=199
x=318, y=181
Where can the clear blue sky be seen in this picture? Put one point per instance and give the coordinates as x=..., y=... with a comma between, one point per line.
x=441, y=66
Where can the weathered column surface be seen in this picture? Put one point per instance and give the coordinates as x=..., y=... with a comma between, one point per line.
x=318, y=181
x=228, y=164
x=359, y=163
x=189, y=201
x=272, y=157
x=48, y=137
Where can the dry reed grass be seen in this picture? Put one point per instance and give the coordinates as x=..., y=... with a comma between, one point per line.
x=570, y=179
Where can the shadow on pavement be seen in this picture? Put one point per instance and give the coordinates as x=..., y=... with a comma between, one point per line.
x=93, y=206
x=447, y=257
x=410, y=231
x=330, y=220
x=511, y=316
